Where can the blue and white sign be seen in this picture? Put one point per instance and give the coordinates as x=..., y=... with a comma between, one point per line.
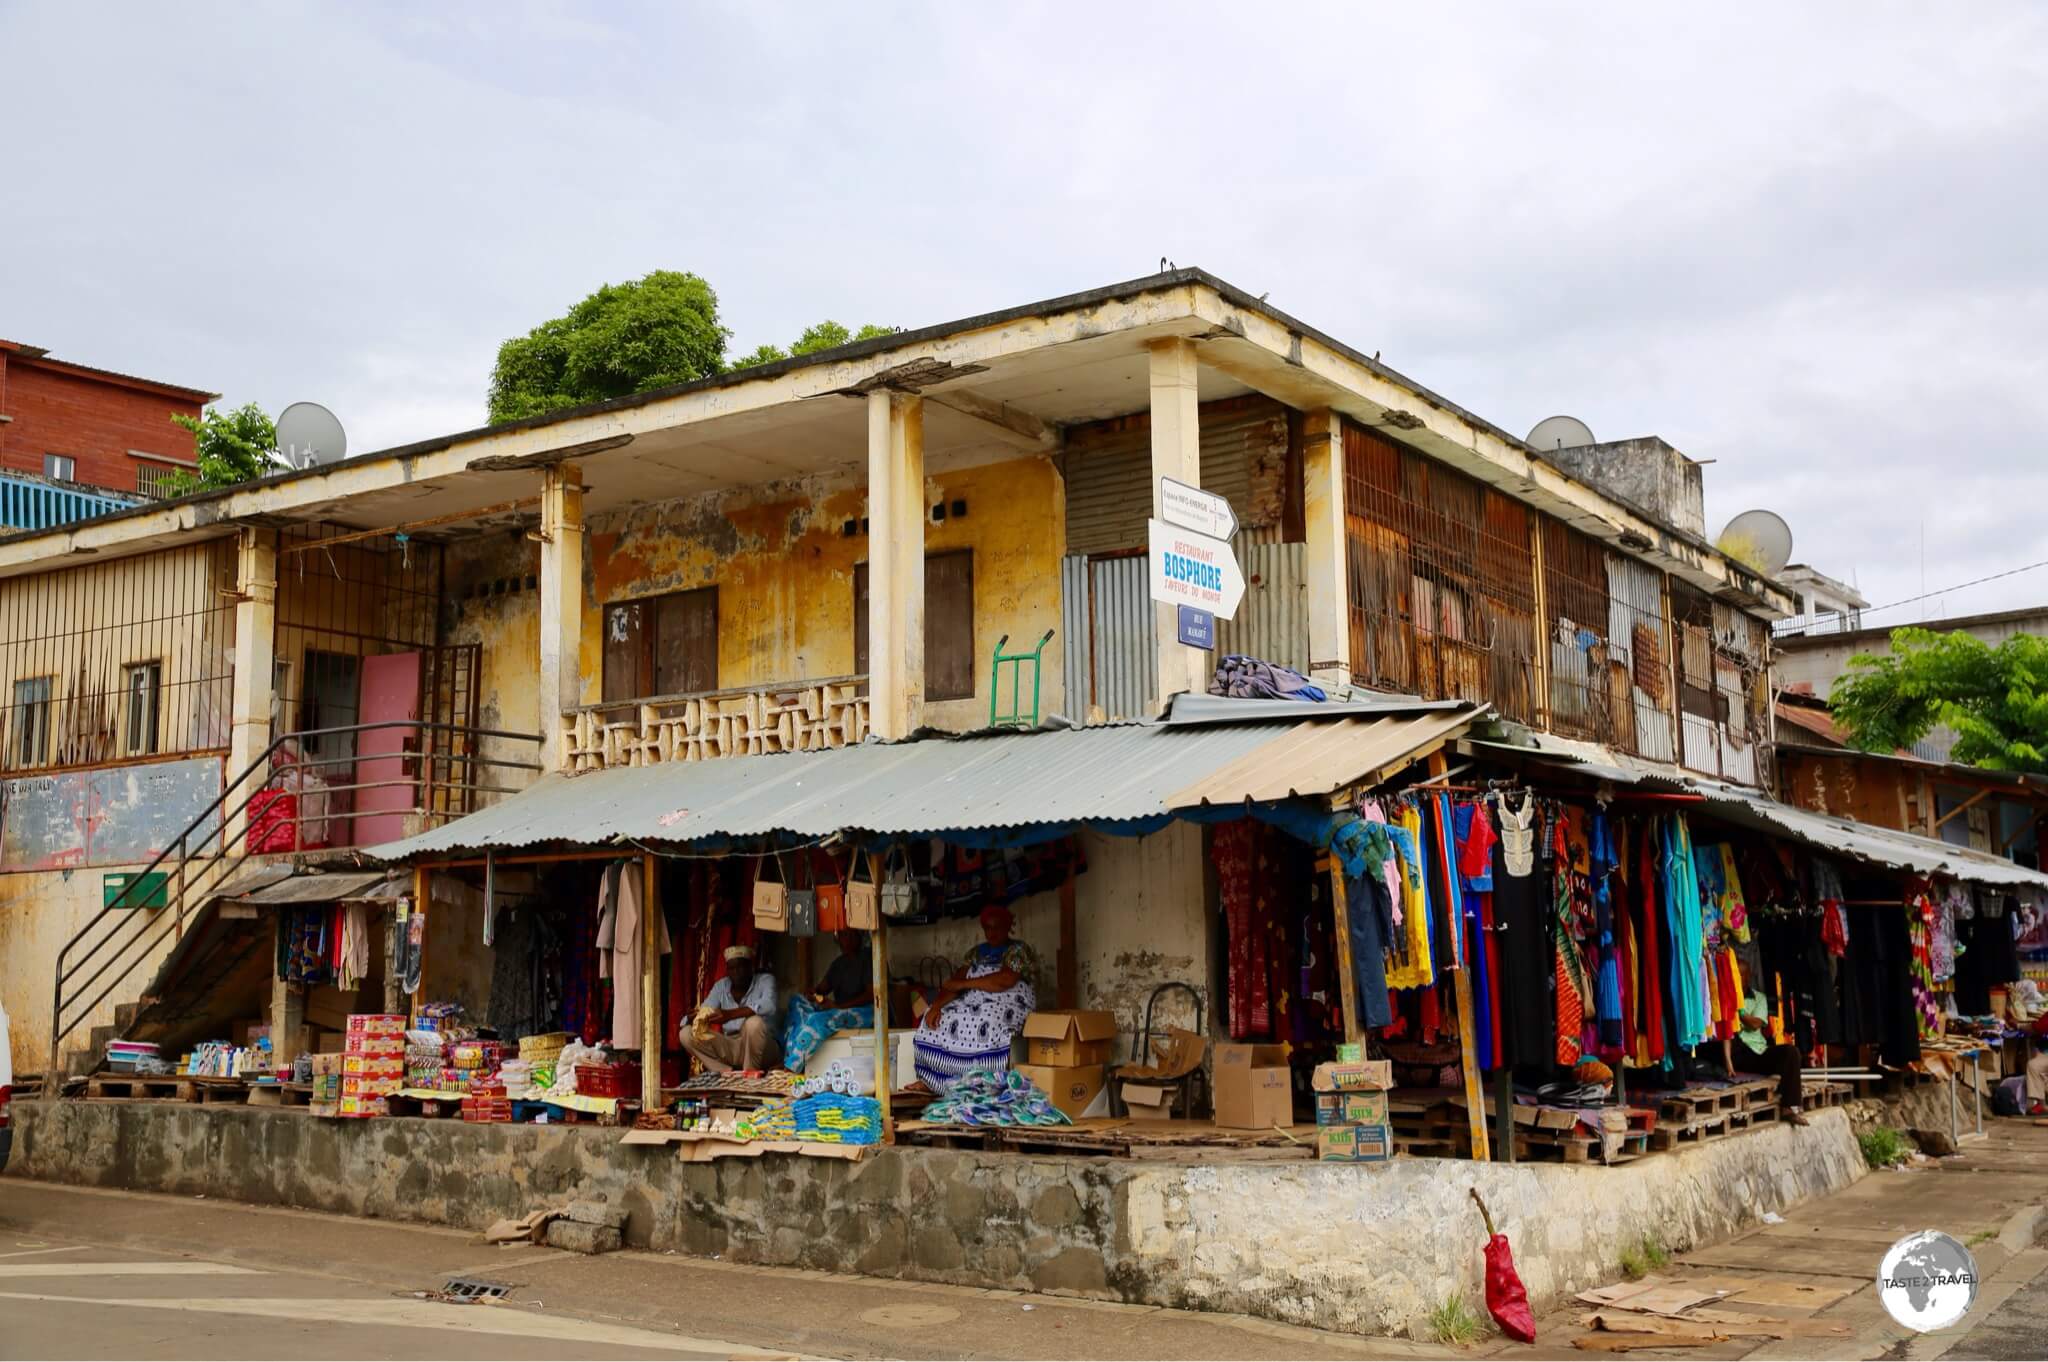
x=1197, y=627
x=1187, y=568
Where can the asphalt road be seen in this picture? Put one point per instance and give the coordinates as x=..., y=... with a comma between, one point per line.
x=91, y=1274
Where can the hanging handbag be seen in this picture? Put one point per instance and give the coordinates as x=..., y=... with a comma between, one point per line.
x=863, y=912
x=898, y=891
x=771, y=897
x=832, y=903
x=802, y=904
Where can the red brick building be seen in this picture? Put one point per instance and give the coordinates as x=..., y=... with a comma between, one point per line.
x=74, y=424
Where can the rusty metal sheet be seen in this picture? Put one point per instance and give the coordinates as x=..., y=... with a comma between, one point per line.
x=121, y=815
x=1318, y=757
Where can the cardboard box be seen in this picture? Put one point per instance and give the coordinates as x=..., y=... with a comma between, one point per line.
x=376, y=1024
x=1371, y=1075
x=1073, y=1090
x=327, y=1064
x=1253, y=1088
x=1147, y=1101
x=364, y=1106
x=1354, y=1144
x=1351, y=1108
x=1069, y=1040
x=373, y=1066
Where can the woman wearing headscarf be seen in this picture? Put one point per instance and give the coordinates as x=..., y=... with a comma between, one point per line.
x=971, y=1021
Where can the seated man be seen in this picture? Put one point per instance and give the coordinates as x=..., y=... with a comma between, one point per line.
x=2037, y=1073
x=736, y=1028
x=1754, y=1053
x=850, y=980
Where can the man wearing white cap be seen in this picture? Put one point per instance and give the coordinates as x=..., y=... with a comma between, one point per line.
x=736, y=1027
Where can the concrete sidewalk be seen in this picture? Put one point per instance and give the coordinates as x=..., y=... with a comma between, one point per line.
x=1821, y=1262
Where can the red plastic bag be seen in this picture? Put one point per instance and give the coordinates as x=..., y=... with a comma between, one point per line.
x=1506, y=1300
x=273, y=820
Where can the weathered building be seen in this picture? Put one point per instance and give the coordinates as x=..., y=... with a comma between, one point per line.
x=805, y=554
x=70, y=433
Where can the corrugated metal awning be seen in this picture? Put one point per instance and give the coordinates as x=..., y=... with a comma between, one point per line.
x=1112, y=773
x=331, y=887
x=1887, y=847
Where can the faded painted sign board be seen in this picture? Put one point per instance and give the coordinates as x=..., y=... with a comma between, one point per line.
x=1186, y=568
x=1193, y=509
x=120, y=815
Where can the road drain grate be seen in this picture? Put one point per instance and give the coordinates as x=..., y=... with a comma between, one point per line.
x=473, y=1289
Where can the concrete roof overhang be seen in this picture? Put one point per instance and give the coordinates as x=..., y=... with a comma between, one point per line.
x=996, y=385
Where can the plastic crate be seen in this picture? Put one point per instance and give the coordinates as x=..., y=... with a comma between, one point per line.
x=608, y=1080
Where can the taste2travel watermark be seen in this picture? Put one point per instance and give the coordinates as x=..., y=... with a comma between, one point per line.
x=1927, y=1281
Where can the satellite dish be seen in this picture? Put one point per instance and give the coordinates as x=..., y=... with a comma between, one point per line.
x=1759, y=538
x=308, y=435
x=1559, y=432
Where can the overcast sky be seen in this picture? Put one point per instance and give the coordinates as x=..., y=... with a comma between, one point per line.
x=1807, y=242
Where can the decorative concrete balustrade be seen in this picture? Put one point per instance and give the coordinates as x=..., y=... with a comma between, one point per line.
x=800, y=716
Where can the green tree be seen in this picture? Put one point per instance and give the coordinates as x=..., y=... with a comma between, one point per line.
x=231, y=446
x=624, y=338
x=825, y=335
x=1996, y=699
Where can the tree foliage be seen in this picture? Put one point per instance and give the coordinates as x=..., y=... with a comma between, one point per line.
x=1995, y=698
x=232, y=446
x=622, y=339
x=825, y=335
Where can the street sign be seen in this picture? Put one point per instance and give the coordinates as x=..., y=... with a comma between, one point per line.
x=1197, y=627
x=1193, y=509
x=1186, y=568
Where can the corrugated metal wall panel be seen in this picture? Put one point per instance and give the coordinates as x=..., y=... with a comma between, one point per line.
x=1272, y=620
x=1635, y=612
x=1109, y=471
x=1074, y=630
x=1122, y=644
x=1702, y=745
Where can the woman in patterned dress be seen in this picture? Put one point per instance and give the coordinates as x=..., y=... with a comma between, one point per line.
x=970, y=1023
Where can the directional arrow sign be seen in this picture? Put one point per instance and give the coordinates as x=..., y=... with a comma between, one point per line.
x=1192, y=569
x=1193, y=509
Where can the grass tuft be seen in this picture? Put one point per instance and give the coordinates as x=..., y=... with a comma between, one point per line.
x=1453, y=1322
x=1884, y=1147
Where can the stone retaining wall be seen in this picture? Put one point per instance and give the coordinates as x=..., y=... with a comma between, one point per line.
x=1364, y=1248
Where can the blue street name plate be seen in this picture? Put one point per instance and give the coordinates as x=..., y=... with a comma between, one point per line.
x=1197, y=627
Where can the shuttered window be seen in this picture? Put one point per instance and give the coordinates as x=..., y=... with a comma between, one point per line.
x=948, y=624
x=661, y=645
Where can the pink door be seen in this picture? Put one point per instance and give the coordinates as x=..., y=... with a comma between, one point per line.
x=386, y=769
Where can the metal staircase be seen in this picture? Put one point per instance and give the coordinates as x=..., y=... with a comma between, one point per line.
x=203, y=862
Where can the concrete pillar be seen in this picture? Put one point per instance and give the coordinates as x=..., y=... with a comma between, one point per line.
x=896, y=516
x=1329, y=592
x=561, y=605
x=1176, y=453
x=287, y=1008
x=254, y=689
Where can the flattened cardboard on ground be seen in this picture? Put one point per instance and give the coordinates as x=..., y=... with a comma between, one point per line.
x=1651, y=1295
x=697, y=1146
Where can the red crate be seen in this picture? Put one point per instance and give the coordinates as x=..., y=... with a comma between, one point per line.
x=608, y=1080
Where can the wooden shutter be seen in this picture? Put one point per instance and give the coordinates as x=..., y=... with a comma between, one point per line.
x=686, y=642
x=628, y=660
x=948, y=624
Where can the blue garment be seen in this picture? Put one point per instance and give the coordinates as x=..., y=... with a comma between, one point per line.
x=1682, y=926
x=1369, y=910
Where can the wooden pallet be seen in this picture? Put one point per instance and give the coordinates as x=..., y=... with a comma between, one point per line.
x=1627, y=1149
x=1821, y=1094
x=227, y=1091
x=280, y=1094
x=1554, y=1147
x=1695, y=1104
x=110, y=1087
x=1055, y=1140
x=1693, y=1132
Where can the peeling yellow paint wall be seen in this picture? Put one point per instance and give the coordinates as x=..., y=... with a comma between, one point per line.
x=783, y=565
x=39, y=912
x=493, y=599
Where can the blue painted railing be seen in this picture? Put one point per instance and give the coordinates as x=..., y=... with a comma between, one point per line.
x=26, y=505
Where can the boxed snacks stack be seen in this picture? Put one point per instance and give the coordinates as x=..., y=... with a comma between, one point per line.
x=487, y=1102
x=1351, y=1110
x=372, y=1062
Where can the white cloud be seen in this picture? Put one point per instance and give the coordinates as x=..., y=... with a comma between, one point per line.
x=1801, y=241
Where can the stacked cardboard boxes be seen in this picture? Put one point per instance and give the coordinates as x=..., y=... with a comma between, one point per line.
x=1351, y=1110
x=372, y=1062
x=487, y=1102
x=1068, y=1056
x=326, y=1099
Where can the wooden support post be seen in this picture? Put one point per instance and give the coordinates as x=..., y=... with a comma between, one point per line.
x=879, y=940
x=1540, y=713
x=1504, y=1115
x=1069, y=959
x=1468, y=1037
x=1340, y=917
x=650, y=984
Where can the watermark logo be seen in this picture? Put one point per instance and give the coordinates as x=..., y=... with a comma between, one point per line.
x=1927, y=1281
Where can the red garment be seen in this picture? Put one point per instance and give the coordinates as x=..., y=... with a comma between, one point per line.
x=1571, y=1016
x=1234, y=851
x=1475, y=859
x=1725, y=988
